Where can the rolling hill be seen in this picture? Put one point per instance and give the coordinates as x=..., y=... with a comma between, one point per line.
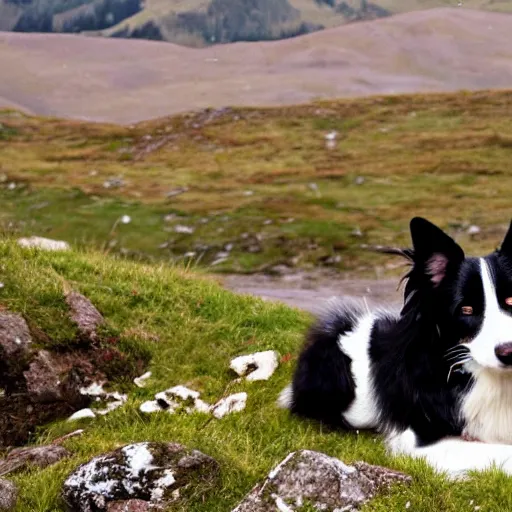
x=206, y=22
x=126, y=80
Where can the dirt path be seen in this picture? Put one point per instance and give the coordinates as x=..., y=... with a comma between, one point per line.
x=309, y=292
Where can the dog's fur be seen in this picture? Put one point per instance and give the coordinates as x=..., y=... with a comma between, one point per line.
x=430, y=375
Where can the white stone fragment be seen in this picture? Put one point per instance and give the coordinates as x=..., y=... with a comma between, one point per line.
x=230, y=404
x=150, y=406
x=111, y=406
x=140, y=382
x=258, y=366
x=81, y=414
x=175, y=398
x=94, y=389
x=45, y=244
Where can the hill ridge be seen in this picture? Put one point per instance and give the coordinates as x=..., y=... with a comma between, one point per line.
x=126, y=81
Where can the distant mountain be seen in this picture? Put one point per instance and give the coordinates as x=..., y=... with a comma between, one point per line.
x=206, y=22
x=108, y=79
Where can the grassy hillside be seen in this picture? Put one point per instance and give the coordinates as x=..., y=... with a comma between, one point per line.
x=205, y=22
x=193, y=328
x=247, y=190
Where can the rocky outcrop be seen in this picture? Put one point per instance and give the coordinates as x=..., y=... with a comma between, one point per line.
x=307, y=477
x=145, y=474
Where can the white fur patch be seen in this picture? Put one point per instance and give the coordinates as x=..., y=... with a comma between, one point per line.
x=453, y=456
x=363, y=412
x=285, y=399
x=487, y=408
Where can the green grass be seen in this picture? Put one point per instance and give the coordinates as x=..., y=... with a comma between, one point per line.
x=250, y=173
x=192, y=328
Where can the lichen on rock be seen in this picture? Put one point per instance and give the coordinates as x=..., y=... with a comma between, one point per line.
x=325, y=482
x=150, y=472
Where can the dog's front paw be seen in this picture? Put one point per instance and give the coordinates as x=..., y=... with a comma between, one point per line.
x=401, y=443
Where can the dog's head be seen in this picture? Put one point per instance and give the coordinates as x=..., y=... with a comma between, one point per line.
x=468, y=299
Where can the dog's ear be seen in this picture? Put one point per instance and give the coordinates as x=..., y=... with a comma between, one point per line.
x=436, y=253
x=506, y=245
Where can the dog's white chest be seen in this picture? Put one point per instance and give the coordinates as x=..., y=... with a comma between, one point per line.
x=487, y=408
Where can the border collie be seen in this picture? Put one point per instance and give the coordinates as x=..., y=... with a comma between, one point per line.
x=431, y=376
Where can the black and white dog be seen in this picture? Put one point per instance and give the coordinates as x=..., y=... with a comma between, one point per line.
x=431, y=376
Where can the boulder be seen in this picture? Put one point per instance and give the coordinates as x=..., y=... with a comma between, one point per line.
x=156, y=473
x=322, y=481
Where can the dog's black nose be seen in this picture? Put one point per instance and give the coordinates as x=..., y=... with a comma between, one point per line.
x=504, y=353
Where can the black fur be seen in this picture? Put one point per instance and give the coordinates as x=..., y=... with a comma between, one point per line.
x=323, y=385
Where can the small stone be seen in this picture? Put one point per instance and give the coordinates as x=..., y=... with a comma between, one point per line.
x=140, y=382
x=115, y=182
x=184, y=230
x=474, y=230
x=359, y=180
x=230, y=404
x=8, y=495
x=81, y=414
x=258, y=366
x=150, y=406
x=176, y=192
x=45, y=244
x=36, y=456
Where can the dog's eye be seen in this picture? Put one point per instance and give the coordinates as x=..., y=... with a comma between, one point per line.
x=468, y=310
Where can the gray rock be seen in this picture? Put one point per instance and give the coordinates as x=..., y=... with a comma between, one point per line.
x=325, y=482
x=42, y=378
x=157, y=473
x=37, y=456
x=132, y=506
x=15, y=339
x=84, y=314
x=8, y=495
